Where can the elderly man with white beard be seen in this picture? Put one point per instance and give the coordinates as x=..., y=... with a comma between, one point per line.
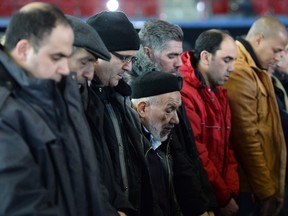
x=156, y=97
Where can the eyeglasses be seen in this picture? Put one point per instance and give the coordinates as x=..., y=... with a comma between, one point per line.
x=125, y=59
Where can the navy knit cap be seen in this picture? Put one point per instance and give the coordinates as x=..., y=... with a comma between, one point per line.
x=154, y=83
x=116, y=31
x=86, y=37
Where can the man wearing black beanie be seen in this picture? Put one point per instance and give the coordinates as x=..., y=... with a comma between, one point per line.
x=116, y=31
x=115, y=125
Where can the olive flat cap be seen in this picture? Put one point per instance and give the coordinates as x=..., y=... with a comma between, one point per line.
x=86, y=37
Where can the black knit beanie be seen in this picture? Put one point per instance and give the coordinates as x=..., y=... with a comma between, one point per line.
x=116, y=31
x=154, y=83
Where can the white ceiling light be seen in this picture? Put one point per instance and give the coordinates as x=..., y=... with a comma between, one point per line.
x=112, y=5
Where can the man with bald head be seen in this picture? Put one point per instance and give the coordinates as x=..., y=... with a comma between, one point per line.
x=46, y=164
x=256, y=127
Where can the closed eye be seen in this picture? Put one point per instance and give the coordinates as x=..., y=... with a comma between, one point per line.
x=228, y=59
x=57, y=57
x=173, y=55
x=84, y=61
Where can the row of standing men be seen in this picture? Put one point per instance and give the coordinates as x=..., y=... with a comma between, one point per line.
x=138, y=127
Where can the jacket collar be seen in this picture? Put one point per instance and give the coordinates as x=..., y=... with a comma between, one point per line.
x=106, y=91
x=281, y=76
x=187, y=71
x=30, y=85
x=249, y=48
x=39, y=91
x=191, y=75
x=200, y=77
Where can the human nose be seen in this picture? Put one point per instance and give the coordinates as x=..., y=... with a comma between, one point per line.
x=63, y=67
x=178, y=62
x=127, y=66
x=279, y=56
x=89, y=72
x=231, y=67
x=175, y=118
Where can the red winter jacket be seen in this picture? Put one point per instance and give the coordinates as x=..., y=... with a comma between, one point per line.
x=209, y=114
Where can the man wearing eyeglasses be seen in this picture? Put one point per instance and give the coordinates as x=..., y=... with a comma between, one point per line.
x=87, y=48
x=114, y=124
x=121, y=40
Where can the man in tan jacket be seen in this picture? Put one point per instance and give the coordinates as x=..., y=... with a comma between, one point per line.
x=256, y=127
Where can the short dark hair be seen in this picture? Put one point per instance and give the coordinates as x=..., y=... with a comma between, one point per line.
x=33, y=25
x=210, y=41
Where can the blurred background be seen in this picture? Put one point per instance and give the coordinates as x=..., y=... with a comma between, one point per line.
x=194, y=16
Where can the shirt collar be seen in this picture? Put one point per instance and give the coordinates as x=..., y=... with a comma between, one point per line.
x=155, y=143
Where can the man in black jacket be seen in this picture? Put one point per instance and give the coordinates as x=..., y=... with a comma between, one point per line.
x=88, y=48
x=279, y=76
x=160, y=50
x=46, y=163
x=114, y=124
x=156, y=97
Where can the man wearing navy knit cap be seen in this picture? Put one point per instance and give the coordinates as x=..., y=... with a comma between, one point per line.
x=115, y=125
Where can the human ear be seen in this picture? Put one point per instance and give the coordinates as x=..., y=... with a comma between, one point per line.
x=259, y=38
x=142, y=108
x=205, y=57
x=149, y=52
x=21, y=50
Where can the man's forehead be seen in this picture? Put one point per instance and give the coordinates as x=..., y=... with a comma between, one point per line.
x=226, y=53
x=227, y=46
x=173, y=47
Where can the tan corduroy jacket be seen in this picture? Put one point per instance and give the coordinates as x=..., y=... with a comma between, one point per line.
x=256, y=129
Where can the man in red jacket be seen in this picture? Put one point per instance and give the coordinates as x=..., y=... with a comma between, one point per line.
x=204, y=71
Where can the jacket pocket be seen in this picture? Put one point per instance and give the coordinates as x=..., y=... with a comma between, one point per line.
x=262, y=106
